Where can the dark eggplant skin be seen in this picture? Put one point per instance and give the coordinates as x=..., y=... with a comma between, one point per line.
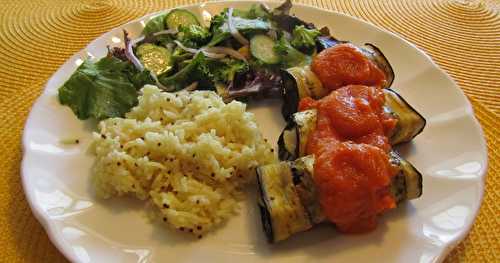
x=410, y=122
x=265, y=216
x=290, y=95
x=381, y=61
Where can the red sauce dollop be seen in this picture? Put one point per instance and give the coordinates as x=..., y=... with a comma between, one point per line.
x=344, y=64
x=352, y=168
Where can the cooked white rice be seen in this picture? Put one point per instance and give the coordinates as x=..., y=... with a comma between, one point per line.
x=187, y=152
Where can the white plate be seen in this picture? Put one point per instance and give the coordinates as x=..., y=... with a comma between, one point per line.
x=450, y=153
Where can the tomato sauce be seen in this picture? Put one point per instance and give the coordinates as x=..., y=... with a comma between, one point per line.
x=345, y=64
x=351, y=145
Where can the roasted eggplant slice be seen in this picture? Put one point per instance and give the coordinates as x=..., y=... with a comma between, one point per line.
x=293, y=140
x=283, y=213
x=407, y=184
x=410, y=122
x=289, y=200
x=298, y=83
x=302, y=172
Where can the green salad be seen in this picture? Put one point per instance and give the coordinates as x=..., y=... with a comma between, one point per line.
x=240, y=55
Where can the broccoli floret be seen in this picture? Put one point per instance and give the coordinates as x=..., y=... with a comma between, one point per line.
x=304, y=39
x=228, y=71
x=223, y=70
x=193, y=35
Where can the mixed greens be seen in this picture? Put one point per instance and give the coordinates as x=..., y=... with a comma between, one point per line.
x=240, y=54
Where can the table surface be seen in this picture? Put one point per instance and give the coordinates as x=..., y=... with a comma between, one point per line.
x=36, y=37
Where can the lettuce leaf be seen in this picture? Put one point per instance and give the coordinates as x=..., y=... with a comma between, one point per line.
x=187, y=75
x=290, y=57
x=101, y=90
x=220, y=28
x=255, y=11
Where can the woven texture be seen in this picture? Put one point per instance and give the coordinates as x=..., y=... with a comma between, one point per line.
x=37, y=36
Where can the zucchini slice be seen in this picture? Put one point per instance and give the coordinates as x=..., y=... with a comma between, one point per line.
x=293, y=140
x=289, y=199
x=155, y=58
x=262, y=48
x=180, y=17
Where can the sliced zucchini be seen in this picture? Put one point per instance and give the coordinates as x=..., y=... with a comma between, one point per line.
x=275, y=181
x=180, y=17
x=155, y=58
x=262, y=48
x=293, y=140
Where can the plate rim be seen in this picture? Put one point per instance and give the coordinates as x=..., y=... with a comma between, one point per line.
x=49, y=226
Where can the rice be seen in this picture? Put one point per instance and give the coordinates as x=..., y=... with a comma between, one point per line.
x=188, y=153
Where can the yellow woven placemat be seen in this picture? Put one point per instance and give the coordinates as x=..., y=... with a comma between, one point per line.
x=37, y=36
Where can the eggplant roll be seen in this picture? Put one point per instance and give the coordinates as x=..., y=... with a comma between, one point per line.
x=293, y=140
x=289, y=199
x=301, y=82
x=371, y=51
